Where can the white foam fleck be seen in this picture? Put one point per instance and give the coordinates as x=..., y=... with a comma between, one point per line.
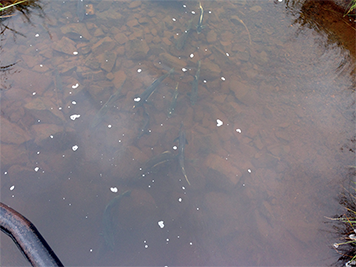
x=114, y=189
x=74, y=117
x=161, y=224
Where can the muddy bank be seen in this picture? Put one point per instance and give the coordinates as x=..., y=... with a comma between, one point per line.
x=328, y=19
x=343, y=5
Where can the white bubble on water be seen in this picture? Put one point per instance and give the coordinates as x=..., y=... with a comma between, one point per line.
x=161, y=224
x=114, y=189
x=74, y=117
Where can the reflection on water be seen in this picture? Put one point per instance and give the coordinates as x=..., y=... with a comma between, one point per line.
x=265, y=145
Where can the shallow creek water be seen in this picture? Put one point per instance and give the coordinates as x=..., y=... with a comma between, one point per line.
x=269, y=136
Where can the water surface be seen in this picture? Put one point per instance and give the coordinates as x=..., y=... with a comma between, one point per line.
x=269, y=139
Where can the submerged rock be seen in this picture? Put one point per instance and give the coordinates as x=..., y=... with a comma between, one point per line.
x=221, y=172
x=103, y=45
x=172, y=61
x=107, y=60
x=44, y=110
x=12, y=154
x=76, y=31
x=11, y=133
x=136, y=49
x=65, y=45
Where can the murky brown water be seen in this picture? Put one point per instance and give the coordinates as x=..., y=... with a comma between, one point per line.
x=269, y=138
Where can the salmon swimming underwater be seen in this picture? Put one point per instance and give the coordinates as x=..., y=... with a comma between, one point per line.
x=172, y=107
x=152, y=165
x=141, y=99
x=104, y=109
x=182, y=142
x=107, y=223
x=146, y=121
x=194, y=93
x=180, y=44
x=80, y=10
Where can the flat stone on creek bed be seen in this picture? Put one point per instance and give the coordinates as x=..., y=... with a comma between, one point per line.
x=43, y=109
x=12, y=154
x=119, y=78
x=134, y=4
x=121, y=38
x=11, y=133
x=170, y=60
x=110, y=14
x=39, y=82
x=211, y=37
x=210, y=70
x=136, y=49
x=65, y=45
x=105, y=44
x=223, y=170
x=75, y=30
x=107, y=60
x=42, y=132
